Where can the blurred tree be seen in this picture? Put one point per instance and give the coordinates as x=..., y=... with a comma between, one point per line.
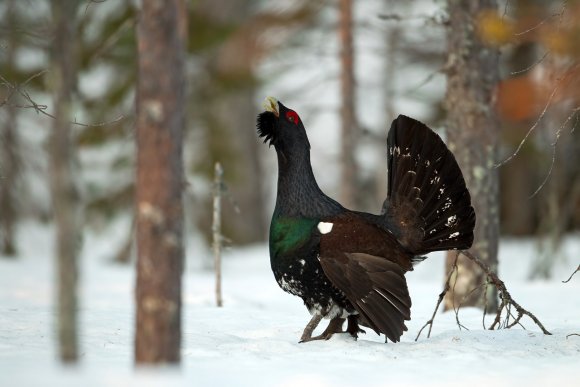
x=10, y=160
x=108, y=52
x=228, y=42
x=518, y=178
x=539, y=102
x=160, y=180
x=473, y=137
x=349, y=133
x=65, y=192
x=227, y=87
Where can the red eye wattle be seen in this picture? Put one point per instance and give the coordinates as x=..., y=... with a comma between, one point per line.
x=292, y=117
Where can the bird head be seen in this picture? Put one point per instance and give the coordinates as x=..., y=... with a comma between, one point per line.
x=281, y=127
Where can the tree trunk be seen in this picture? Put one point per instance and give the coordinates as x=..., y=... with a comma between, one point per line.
x=472, y=135
x=9, y=162
x=65, y=193
x=349, y=172
x=392, y=48
x=217, y=231
x=160, y=125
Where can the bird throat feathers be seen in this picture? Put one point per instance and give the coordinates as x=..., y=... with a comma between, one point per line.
x=266, y=125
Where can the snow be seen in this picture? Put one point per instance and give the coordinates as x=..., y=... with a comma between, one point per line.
x=253, y=339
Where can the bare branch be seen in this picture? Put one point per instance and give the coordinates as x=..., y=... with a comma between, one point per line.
x=505, y=9
x=427, y=79
x=506, y=299
x=534, y=64
x=441, y=296
x=541, y=116
x=89, y=2
x=540, y=23
x=507, y=302
x=38, y=108
x=572, y=275
x=544, y=21
x=390, y=16
x=558, y=134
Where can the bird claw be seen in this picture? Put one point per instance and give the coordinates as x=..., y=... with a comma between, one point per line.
x=353, y=328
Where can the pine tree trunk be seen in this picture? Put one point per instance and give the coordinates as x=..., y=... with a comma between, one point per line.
x=65, y=194
x=160, y=125
x=472, y=135
x=9, y=161
x=349, y=171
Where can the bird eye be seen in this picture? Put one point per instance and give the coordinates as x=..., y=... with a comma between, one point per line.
x=292, y=117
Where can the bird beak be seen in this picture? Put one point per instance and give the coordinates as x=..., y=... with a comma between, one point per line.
x=270, y=104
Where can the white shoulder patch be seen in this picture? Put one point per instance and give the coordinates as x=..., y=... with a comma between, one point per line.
x=325, y=227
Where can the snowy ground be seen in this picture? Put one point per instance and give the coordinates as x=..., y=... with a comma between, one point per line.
x=253, y=340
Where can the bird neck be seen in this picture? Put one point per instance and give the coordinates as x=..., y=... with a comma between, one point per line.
x=298, y=192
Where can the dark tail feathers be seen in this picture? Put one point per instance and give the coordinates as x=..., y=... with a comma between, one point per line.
x=428, y=206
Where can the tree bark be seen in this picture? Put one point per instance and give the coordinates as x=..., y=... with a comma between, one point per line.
x=472, y=135
x=160, y=125
x=349, y=172
x=65, y=193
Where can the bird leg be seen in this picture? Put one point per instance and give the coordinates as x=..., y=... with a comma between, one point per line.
x=353, y=327
x=335, y=326
x=310, y=327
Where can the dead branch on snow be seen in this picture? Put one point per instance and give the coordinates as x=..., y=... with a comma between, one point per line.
x=507, y=303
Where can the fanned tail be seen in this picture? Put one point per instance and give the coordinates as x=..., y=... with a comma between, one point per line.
x=428, y=206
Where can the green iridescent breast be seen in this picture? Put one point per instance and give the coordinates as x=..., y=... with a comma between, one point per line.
x=287, y=234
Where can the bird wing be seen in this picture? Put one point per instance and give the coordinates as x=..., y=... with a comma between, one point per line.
x=375, y=286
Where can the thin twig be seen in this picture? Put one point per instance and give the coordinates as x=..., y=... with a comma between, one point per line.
x=439, y=300
x=572, y=275
x=426, y=80
x=485, y=302
x=558, y=134
x=505, y=9
x=89, y=2
x=41, y=109
x=538, y=25
x=463, y=299
x=542, y=114
x=534, y=64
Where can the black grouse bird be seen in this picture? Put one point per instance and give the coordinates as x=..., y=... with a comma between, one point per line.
x=351, y=265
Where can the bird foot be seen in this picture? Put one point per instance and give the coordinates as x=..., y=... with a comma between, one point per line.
x=323, y=336
x=353, y=328
x=335, y=326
